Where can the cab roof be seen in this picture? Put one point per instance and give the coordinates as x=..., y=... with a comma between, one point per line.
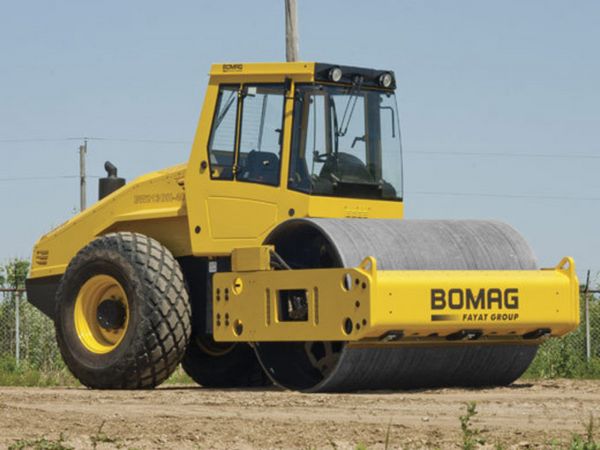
x=298, y=71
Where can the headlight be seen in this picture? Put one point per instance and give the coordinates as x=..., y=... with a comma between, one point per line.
x=385, y=79
x=335, y=74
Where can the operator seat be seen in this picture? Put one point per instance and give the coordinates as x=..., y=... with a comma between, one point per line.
x=262, y=167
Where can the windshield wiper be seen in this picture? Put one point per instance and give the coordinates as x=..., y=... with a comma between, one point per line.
x=340, y=129
x=350, y=105
x=336, y=132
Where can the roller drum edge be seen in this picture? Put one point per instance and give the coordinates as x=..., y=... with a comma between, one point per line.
x=399, y=245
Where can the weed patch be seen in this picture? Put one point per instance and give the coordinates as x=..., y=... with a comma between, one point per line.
x=40, y=444
x=471, y=437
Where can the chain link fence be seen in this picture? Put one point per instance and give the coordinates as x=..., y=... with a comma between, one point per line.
x=27, y=341
x=26, y=335
x=578, y=353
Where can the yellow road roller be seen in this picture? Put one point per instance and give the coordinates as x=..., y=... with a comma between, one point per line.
x=278, y=254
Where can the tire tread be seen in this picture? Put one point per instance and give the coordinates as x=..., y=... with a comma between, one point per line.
x=166, y=317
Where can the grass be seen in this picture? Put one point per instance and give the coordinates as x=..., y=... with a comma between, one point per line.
x=43, y=443
x=30, y=377
x=25, y=375
x=586, y=442
x=40, y=444
x=101, y=437
x=563, y=358
x=179, y=377
x=471, y=437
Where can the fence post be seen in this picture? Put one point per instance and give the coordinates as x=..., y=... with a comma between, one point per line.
x=588, y=334
x=17, y=327
x=588, y=338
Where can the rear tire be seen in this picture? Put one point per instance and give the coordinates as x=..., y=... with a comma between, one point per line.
x=214, y=365
x=154, y=325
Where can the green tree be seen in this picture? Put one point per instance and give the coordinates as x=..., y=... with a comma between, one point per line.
x=14, y=273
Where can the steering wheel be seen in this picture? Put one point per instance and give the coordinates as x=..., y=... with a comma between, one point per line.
x=321, y=157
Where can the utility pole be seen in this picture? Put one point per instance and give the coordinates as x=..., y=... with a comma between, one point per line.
x=291, y=31
x=82, y=180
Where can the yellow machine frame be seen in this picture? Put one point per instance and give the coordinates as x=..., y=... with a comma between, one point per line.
x=194, y=215
x=365, y=305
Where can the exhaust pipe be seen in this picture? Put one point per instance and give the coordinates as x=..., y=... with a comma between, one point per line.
x=111, y=182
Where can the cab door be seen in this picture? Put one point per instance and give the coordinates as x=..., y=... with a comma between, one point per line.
x=243, y=197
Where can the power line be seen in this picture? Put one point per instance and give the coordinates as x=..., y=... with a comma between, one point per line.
x=522, y=196
x=41, y=178
x=506, y=154
x=143, y=141
x=410, y=152
x=19, y=140
x=106, y=139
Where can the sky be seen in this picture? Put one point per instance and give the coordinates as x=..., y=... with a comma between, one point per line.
x=499, y=101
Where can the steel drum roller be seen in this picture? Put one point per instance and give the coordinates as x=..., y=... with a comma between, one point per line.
x=397, y=245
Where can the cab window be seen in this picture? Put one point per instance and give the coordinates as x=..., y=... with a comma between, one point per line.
x=221, y=146
x=261, y=134
x=346, y=143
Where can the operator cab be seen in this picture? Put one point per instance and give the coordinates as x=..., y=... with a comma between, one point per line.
x=345, y=138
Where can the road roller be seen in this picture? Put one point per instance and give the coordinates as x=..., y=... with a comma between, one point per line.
x=278, y=254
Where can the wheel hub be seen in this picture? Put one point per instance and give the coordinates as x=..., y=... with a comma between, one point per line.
x=101, y=314
x=111, y=314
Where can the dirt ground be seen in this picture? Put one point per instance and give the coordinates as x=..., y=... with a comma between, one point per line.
x=525, y=415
